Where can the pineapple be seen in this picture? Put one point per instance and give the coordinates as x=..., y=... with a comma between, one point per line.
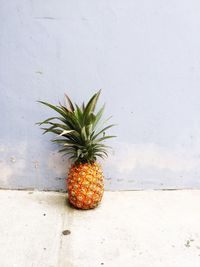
x=81, y=137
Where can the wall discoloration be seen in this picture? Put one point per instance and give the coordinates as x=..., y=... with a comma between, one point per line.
x=6, y=173
x=58, y=164
x=131, y=156
x=36, y=164
x=150, y=166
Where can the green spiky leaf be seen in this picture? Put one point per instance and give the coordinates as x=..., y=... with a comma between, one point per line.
x=79, y=127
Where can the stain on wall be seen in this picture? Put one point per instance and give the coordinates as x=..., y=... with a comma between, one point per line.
x=145, y=57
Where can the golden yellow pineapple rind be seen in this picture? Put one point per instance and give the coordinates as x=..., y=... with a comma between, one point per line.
x=85, y=184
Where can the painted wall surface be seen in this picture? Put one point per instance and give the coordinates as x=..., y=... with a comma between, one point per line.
x=145, y=55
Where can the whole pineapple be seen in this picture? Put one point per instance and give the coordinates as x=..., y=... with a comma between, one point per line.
x=81, y=138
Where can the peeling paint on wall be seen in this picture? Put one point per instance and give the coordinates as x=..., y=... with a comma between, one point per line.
x=130, y=156
x=9, y=170
x=6, y=173
x=58, y=164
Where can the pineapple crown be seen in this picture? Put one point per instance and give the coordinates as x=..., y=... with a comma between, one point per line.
x=79, y=130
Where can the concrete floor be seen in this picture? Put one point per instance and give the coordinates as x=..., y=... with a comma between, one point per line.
x=138, y=228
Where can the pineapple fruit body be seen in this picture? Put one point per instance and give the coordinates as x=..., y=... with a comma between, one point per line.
x=85, y=185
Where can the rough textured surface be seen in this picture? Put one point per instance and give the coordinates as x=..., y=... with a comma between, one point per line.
x=85, y=185
x=145, y=57
x=149, y=228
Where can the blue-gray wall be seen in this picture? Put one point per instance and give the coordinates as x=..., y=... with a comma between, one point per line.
x=145, y=55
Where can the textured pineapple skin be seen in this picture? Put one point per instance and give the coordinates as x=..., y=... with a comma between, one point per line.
x=85, y=185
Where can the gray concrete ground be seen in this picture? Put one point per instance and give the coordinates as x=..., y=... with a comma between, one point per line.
x=138, y=228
